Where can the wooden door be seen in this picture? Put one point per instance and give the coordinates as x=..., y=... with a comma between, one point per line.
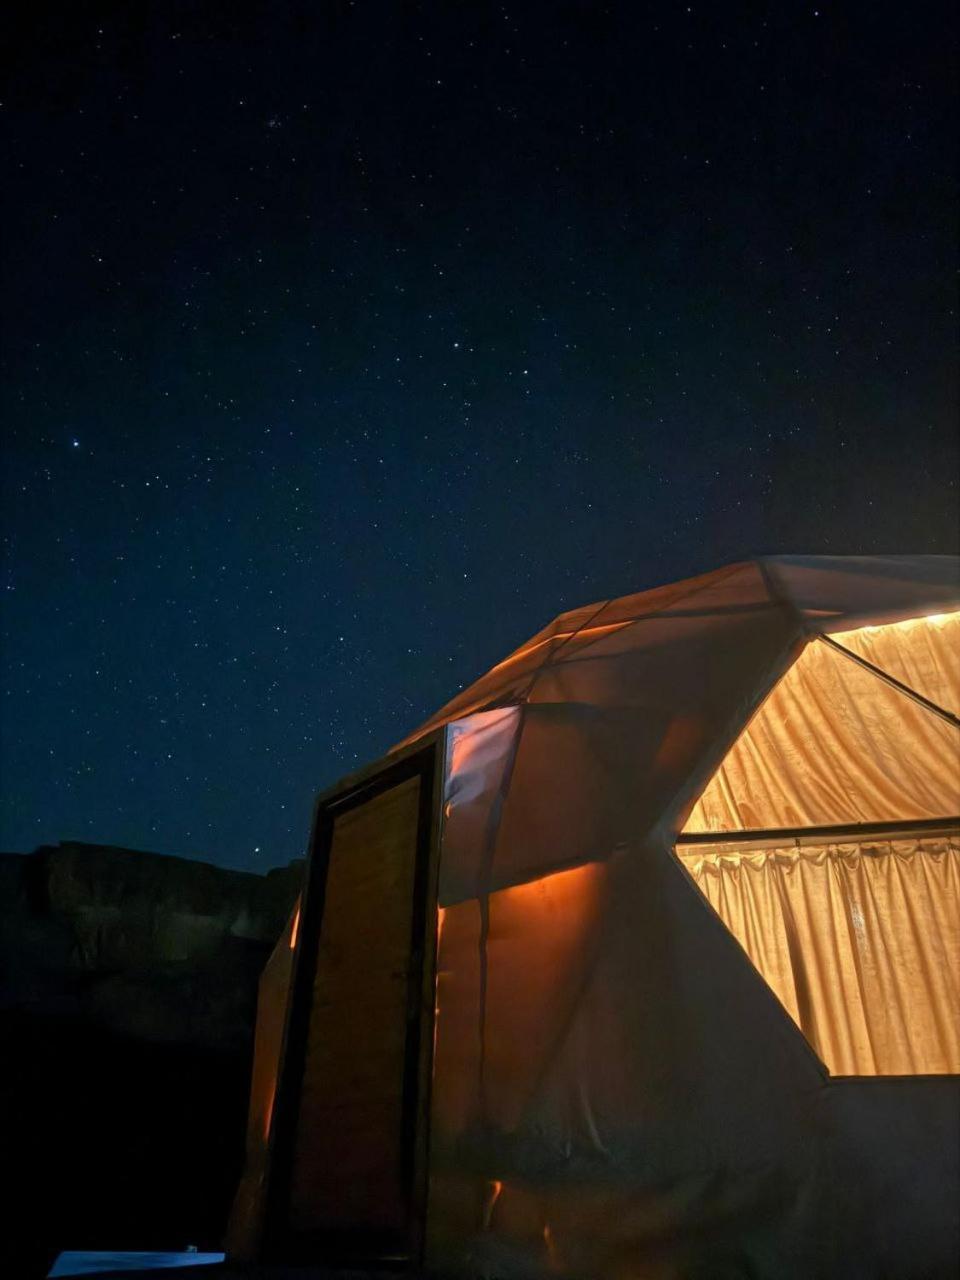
x=348, y=1170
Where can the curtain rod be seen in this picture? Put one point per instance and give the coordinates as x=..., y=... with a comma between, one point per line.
x=854, y=831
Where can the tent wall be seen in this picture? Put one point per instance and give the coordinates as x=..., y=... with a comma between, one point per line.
x=650, y=1110
x=606, y=1123
x=618, y=733
x=616, y=1092
x=246, y=1217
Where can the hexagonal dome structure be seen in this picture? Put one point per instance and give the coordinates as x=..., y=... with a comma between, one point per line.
x=642, y=957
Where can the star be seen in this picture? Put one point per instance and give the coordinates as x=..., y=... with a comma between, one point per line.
x=655, y=372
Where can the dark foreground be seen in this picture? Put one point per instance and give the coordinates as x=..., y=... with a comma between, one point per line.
x=128, y=986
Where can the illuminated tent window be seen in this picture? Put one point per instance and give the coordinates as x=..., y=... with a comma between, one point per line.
x=846, y=894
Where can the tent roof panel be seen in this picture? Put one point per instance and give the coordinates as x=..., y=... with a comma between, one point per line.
x=829, y=593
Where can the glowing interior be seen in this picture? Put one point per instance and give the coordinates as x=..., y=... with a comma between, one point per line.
x=858, y=934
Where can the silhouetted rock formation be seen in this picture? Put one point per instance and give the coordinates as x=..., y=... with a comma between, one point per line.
x=128, y=985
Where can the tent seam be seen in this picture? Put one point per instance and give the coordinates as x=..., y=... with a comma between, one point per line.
x=898, y=685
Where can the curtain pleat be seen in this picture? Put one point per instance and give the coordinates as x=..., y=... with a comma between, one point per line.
x=859, y=941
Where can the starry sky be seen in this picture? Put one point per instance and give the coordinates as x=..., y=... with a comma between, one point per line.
x=345, y=344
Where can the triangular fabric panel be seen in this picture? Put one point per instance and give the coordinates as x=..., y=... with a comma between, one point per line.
x=834, y=744
x=922, y=653
x=840, y=592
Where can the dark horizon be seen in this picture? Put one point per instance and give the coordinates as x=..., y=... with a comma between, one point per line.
x=346, y=349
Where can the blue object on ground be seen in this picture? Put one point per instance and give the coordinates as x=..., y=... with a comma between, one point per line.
x=82, y=1264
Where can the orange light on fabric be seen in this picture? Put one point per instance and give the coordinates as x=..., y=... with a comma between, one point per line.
x=268, y=1112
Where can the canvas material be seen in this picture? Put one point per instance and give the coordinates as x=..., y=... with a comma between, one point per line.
x=645, y=1107
x=616, y=1092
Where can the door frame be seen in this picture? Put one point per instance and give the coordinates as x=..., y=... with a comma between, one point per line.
x=425, y=759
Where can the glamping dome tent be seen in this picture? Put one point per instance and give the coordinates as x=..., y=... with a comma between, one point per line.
x=642, y=957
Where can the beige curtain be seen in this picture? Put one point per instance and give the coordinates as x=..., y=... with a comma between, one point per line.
x=860, y=943
x=923, y=653
x=834, y=744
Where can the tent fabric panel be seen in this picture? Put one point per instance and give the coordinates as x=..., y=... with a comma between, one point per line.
x=675, y=663
x=479, y=751
x=860, y=942
x=897, y=1141
x=246, y=1217
x=834, y=744
x=572, y=620
x=567, y=1119
x=736, y=585
x=506, y=683
x=825, y=593
x=657, y=635
x=565, y=781
x=574, y=642
x=922, y=653
x=570, y=799
x=673, y=1123
x=842, y=592
x=492, y=1047
x=510, y=680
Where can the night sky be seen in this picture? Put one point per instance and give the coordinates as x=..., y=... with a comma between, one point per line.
x=345, y=344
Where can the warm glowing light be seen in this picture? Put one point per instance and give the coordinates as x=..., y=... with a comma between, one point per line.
x=929, y=619
x=441, y=912
x=472, y=739
x=550, y=892
x=560, y=637
x=524, y=652
x=296, y=929
x=268, y=1112
x=494, y=1189
x=548, y=1241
